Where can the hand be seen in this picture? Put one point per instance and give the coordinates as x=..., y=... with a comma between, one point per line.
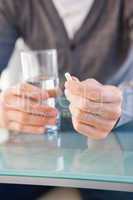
x=21, y=109
x=95, y=108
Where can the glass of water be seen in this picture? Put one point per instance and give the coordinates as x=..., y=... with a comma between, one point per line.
x=40, y=68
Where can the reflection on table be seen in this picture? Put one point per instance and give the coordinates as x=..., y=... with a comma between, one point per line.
x=70, y=155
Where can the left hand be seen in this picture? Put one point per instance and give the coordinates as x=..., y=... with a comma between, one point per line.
x=95, y=108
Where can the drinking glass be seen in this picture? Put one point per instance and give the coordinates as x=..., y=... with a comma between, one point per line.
x=40, y=68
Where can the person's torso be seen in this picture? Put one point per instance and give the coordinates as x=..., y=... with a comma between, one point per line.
x=73, y=13
x=98, y=48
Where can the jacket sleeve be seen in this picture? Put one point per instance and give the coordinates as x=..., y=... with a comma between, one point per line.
x=8, y=32
x=127, y=90
x=127, y=105
x=127, y=85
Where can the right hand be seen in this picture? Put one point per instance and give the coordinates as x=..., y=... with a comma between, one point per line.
x=21, y=109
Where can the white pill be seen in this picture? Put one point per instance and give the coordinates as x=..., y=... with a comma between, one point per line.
x=68, y=76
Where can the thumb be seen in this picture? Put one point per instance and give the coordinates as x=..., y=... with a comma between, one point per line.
x=75, y=78
x=92, y=82
x=92, y=89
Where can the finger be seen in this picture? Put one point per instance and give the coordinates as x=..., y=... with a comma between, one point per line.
x=89, y=131
x=28, y=119
x=91, y=82
x=111, y=94
x=75, y=78
x=28, y=90
x=91, y=89
x=29, y=106
x=92, y=120
x=3, y=117
x=26, y=129
x=54, y=92
x=109, y=111
x=94, y=91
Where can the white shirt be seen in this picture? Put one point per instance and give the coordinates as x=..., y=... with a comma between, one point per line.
x=73, y=13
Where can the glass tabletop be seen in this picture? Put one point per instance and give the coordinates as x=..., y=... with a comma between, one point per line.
x=70, y=155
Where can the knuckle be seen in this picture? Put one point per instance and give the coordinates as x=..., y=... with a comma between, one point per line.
x=120, y=95
x=20, y=117
x=40, y=130
x=25, y=104
x=97, y=107
x=91, y=81
x=78, y=114
x=103, y=134
x=118, y=112
x=15, y=126
x=77, y=125
x=99, y=133
x=20, y=126
x=71, y=108
x=83, y=104
x=86, y=117
x=109, y=126
x=5, y=97
x=23, y=117
x=118, y=92
x=115, y=113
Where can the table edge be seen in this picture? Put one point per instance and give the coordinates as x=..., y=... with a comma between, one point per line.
x=127, y=187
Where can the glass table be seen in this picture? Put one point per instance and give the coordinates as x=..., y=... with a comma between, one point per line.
x=70, y=159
